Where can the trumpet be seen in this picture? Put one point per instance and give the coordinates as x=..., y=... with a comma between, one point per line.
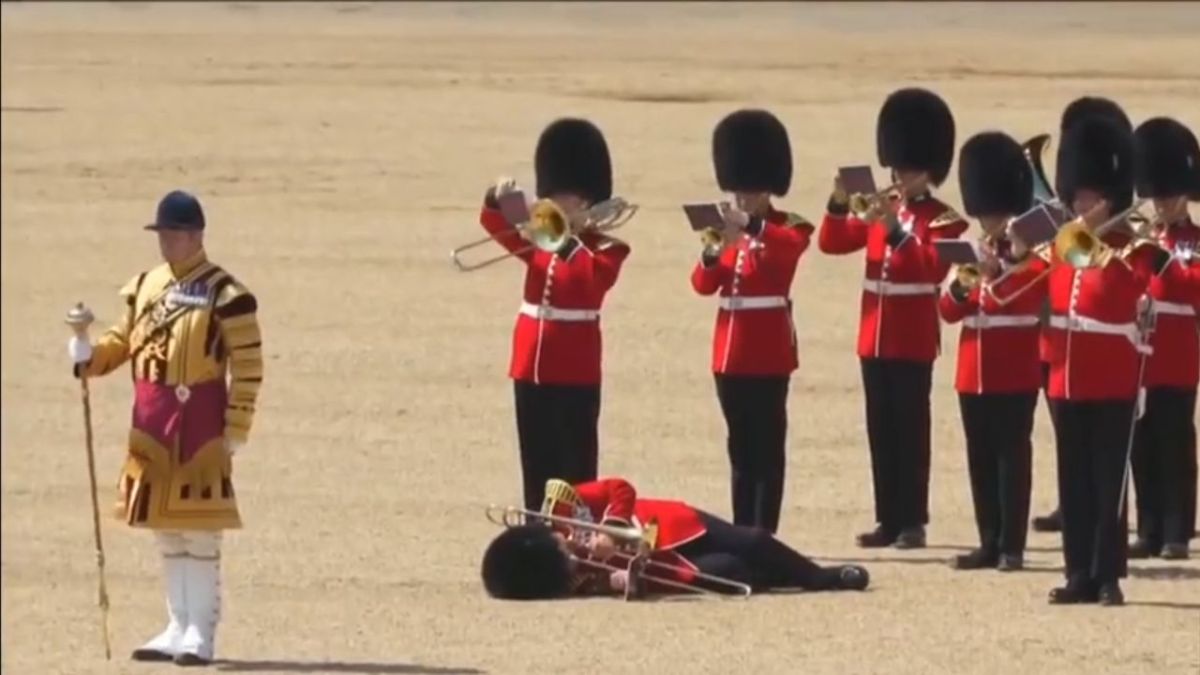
x=1080, y=246
x=713, y=240
x=861, y=204
x=635, y=546
x=549, y=228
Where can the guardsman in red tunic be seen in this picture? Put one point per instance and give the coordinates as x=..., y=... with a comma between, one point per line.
x=754, y=341
x=556, y=349
x=1080, y=108
x=1164, y=454
x=530, y=562
x=1097, y=352
x=999, y=370
x=898, y=337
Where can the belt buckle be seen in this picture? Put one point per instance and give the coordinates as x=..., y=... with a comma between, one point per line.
x=182, y=393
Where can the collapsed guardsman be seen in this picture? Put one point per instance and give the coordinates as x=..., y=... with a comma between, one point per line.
x=533, y=561
x=191, y=334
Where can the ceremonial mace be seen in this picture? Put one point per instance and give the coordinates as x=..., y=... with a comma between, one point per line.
x=79, y=319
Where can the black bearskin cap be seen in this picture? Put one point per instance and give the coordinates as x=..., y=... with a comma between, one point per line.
x=572, y=156
x=1089, y=106
x=751, y=153
x=526, y=563
x=915, y=131
x=993, y=175
x=1097, y=154
x=1167, y=159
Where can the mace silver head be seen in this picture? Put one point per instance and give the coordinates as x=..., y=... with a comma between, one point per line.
x=79, y=318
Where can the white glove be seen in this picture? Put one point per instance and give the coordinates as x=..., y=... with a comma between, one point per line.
x=79, y=349
x=232, y=446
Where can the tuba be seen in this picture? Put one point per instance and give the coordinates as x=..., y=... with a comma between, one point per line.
x=1035, y=149
x=549, y=228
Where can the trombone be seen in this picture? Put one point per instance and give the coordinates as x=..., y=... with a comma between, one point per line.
x=638, y=543
x=549, y=228
x=1080, y=246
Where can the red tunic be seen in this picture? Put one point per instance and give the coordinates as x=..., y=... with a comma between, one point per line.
x=1092, y=335
x=899, y=316
x=557, y=335
x=615, y=501
x=998, y=346
x=1176, y=338
x=754, y=334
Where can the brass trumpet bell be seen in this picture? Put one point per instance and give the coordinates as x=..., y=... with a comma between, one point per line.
x=1080, y=246
x=549, y=228
x=968, y=276
x=861, y=204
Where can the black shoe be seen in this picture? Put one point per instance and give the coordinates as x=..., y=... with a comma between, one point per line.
x=975, y=560
x=1011, y=562
x=150, y=655
x=911, y=537
x=877, y=538
x=190, y=660
x=1110, y=595
x=1142, y=548
x=1175, y=552
x=1073, y=594
x=1051, y=522
x=853, y=578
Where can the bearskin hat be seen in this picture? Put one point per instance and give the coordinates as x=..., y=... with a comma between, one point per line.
x=572, y=156
x=993, y=175
x=915, y=131
x=751, y=153
x=1097, y=154
x=1167, y=159
x=526, y=563
x=1088, y=106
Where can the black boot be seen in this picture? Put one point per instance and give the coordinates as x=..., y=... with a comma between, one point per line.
x=1110, y=595
x=1141, y=549
x=1174, y=552
x=1051, y=522
x=1076, y=592
x=911, y=537
x=143, y=654
x=877, y=538
x=980, y=558
x=1011, y=562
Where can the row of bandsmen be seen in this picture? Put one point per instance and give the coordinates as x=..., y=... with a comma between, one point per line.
x=1087, y=353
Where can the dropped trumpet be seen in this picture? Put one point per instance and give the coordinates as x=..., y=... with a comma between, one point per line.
x=635, y=546
x=549, y=228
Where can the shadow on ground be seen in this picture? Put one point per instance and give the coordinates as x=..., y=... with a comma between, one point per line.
x=282, y=666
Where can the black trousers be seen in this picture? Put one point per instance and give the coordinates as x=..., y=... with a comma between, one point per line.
x=1049, y=403
x=999, y=430
x=1164, y=467
x=898, y=420
x=557, y=431
x=753, y=556
x=755, y=410
x=1093, y=438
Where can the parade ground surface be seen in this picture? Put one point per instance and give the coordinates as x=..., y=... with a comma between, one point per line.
x=341, y=151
